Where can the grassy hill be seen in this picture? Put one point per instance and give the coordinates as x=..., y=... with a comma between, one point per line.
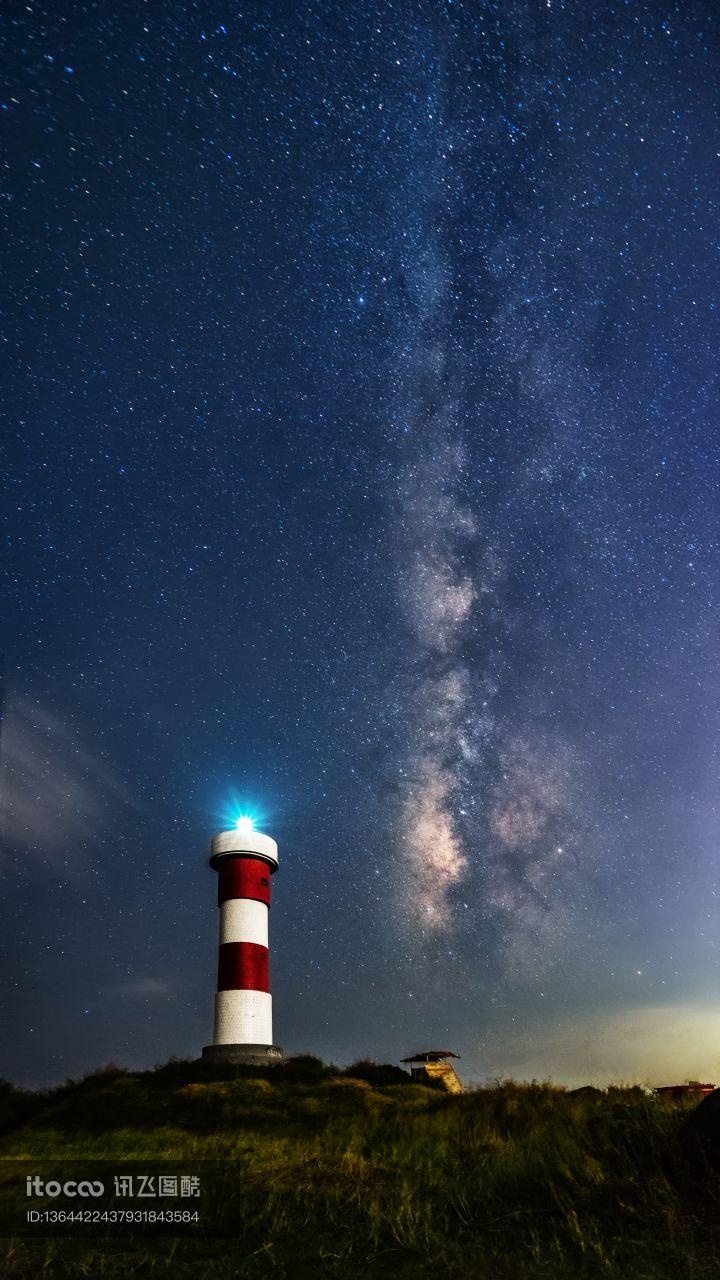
x=310, y=1172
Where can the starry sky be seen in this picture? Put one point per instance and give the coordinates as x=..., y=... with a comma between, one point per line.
x=362, y=475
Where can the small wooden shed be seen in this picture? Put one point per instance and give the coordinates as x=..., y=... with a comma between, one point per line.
x=433, y=1066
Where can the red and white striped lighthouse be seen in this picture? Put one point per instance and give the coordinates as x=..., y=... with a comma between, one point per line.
x=245, y=860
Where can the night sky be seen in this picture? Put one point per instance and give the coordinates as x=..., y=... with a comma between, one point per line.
x=361, y=380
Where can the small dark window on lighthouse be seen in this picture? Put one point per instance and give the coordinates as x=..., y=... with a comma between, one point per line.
x=264, y=880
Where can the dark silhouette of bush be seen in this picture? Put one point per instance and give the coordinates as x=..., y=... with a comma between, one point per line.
x=304, y=1067
x=181, y=1071
x=378, y=1073
x=16, y=1106
x=105, y=1101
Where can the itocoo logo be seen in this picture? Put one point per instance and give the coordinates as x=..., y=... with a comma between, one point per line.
x=36, y=1186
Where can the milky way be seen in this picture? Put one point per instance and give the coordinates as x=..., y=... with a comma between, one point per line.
x=363, y=476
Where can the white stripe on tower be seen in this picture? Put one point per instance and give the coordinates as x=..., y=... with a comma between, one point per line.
x=243, y=1017
x=244, y=920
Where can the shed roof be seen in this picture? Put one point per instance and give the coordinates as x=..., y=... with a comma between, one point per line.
x=431, y=1055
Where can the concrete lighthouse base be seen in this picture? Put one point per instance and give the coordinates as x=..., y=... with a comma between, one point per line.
x=251, y=1055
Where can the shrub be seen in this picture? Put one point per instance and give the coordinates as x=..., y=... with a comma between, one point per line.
x=378, y=1073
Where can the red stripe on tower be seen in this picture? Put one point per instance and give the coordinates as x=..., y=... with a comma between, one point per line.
x=243, y=966
x=244, y=878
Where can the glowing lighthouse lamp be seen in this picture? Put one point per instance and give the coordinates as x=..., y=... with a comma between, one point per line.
x=244, y=859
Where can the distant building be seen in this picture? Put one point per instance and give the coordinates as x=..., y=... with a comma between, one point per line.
x=433, y=1066
x=679, y=1092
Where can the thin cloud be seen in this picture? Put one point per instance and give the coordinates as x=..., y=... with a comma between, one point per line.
x=141, y=988
x=57, y=795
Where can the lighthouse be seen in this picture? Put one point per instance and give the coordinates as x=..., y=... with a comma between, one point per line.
x=245, y=860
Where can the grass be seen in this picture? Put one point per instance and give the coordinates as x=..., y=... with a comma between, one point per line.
x=310, y=1172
